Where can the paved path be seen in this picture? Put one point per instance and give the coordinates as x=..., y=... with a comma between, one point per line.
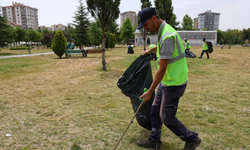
x=26, y=55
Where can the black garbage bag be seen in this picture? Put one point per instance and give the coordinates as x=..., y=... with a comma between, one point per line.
x=189, y=54
x=132, y=83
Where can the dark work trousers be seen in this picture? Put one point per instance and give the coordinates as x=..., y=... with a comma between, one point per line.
x=163, y=110
x=204, y=51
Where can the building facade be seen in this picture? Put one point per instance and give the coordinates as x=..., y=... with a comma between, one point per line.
x=22, y=15
x=129, y=14
x=56, y=27
x=209, y=20
x=195, y=23
x=194, y=37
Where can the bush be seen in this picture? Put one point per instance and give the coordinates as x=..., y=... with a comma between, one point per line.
x=59, y=43
x=21, y=48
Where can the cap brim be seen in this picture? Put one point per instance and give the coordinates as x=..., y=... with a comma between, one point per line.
x=141, y=25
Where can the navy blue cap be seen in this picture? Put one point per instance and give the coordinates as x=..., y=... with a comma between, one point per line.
x=146, y=14
x=203, y=39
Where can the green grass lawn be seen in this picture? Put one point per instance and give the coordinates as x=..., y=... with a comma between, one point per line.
x=51, y=103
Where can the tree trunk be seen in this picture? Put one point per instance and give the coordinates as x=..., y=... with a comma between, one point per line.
x=103, y=55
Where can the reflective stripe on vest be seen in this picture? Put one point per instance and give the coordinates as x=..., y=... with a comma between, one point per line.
x=181, y=54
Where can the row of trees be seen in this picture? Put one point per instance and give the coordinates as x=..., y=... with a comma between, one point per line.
x=105, y=29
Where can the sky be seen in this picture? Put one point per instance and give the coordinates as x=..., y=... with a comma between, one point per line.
x=233, y=13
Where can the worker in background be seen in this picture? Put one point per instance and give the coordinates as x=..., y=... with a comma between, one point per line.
x=205, y=48
x=187, y=44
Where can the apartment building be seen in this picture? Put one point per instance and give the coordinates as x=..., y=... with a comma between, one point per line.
x=131, y=15
x=56, y=27
x=21, y=14
x=195, y=23
x=209, y=20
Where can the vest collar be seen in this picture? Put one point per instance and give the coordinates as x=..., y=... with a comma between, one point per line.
x=162, y=26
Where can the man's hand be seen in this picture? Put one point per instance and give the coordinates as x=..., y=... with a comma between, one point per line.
x=154, y=49
x=147, y=95
x=146, y=52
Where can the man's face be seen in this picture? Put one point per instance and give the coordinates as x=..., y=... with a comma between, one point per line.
x=149, y=25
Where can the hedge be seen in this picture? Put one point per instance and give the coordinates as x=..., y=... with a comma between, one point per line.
x=21, y=48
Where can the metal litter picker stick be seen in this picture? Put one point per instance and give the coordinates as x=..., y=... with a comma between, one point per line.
x=145, y=90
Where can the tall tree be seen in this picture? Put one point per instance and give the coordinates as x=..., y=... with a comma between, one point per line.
x=69, y=31
x=165, y=9
x=127, y=30
x=220, y=36
x=81, y=24
x=144, y=34
x=95, y=34
x=5, y=30
x=107, y=12
x=246, y=34
x=174, y=23
x=187, y=23
x=145, y=4
x=20, y=34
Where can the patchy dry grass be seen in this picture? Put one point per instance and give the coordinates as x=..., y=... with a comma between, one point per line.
x=50, y=103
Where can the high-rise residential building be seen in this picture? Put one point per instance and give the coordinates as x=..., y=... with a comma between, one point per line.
x=195, y=23
x=209, y=20
x=129, y=14
x=21, y=14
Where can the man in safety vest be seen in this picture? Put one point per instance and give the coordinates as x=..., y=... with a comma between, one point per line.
x=187, y=44
x=172, y=78
x=205, y=48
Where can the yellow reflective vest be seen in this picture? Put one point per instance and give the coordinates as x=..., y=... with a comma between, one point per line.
x=177, y=71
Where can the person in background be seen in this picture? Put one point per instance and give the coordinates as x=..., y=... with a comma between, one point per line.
x=187, y=44
x=172, y=78
x=205, y=48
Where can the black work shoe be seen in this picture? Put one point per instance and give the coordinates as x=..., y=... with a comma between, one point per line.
x=199, y=57
x=149, y=144
x=192, y=145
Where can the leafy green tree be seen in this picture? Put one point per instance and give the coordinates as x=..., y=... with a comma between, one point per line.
x=59, y=43
x=165, y=9
x=174, y=23
x=187, y=23
x=246, y=34
x=20, y=34
x=5, y=31
x=69, y=31
x=229, y=36
x=81, y=24
x=107, y=12
x=47, y=37
x=108, y=41
x=32, y=35
x=220, y=36
x=145, y=4
x=95, y=34
x=127, y=30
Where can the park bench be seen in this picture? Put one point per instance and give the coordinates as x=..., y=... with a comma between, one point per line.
x=82, y=52
x=92, y=51
x=69, y=52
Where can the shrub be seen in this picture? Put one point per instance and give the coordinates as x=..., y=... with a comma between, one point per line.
x=59, y=43
x=21, y=48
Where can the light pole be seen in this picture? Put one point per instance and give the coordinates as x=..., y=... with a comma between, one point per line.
x=28, y=35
